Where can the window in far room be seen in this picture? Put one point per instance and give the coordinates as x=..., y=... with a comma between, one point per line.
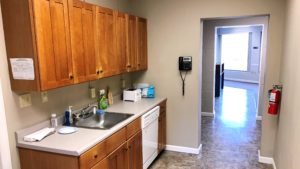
x=235, y=50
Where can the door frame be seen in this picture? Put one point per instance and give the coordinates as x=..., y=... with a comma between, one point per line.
x=5, y=158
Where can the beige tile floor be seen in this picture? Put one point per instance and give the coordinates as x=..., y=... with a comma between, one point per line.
x=230, y=140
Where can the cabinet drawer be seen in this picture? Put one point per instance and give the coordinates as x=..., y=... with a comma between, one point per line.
x=133, y=127
x=116, y=140
x=93, y=155
x=102, y=164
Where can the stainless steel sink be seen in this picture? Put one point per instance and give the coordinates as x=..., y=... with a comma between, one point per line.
x=105, y=121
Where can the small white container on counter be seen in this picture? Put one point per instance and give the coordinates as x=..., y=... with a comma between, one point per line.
x=53, y=120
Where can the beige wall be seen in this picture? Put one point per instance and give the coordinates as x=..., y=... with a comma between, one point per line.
x=287, y=148
x=174, y=29
x=209, y=60
x=59, y=99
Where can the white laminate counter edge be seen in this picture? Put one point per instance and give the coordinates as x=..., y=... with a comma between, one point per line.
x=84, y=139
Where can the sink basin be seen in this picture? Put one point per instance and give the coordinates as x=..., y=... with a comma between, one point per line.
x=107, y=121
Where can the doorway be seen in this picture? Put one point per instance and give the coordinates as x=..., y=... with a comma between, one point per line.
x=232, y=129
x=247, y=69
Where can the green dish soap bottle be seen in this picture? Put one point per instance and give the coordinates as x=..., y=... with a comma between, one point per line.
x=102, y=101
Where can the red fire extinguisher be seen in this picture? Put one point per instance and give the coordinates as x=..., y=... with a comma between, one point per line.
x=274, y=100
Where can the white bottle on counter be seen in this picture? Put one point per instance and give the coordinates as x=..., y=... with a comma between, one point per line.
x=53, y=120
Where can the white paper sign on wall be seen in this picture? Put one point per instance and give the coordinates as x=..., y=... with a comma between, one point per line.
x=22, y=68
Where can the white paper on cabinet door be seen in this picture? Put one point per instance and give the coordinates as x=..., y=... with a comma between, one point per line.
x=22, y=68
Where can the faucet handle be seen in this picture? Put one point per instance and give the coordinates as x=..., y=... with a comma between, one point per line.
x=70, y=108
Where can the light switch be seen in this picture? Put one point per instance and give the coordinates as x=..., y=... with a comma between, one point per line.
x=44, y=96
x=25, y=100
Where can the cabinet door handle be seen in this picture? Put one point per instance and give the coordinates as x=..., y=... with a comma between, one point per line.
x=95, y=156
x=71, y=76
x=98, y=72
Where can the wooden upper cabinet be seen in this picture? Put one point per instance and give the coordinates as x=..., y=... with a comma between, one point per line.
x=53, y=43
x=83, y=30
x=71, y=41
x=121, y=33
x=131, y=44
x=142, y=56
x=106, y=41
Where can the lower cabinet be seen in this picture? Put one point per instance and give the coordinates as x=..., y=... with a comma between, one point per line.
x=162, y=127
x=135, y=154
x=122, y=150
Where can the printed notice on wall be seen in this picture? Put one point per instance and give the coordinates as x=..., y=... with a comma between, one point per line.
x=22, y=68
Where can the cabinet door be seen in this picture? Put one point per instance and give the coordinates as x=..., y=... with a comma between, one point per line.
x=162, y=128
x=121, y=41
x=135, y=155
x=82, y=27
x=118, y=159
x=53, y=43
x=142, y=58
x=106, y=41
x=132, y=44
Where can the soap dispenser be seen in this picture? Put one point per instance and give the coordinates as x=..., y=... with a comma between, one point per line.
x=68, y=116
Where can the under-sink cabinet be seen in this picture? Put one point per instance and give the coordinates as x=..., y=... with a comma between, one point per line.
x=122, y=150
x=70, y=42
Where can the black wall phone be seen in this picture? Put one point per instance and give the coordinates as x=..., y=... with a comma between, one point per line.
x=185, y=64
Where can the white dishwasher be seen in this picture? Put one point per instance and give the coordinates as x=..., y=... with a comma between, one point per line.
x=150, y=136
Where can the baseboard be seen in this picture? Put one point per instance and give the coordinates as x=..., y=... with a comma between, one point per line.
x=208, y=114
x=266, y=160
x=184, y=149
x=259, y=118
x=241, y=80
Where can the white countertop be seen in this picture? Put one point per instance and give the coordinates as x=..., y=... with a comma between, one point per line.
x=77, y=143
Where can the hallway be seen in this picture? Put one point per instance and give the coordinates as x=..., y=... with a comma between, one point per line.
x=230, y=140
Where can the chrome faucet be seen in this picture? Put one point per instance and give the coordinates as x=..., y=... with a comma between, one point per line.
x=85, y=112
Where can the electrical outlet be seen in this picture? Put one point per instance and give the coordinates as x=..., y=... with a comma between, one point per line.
x=92, y=93
x=25, y=100
x=102, y=91
x=44, y=96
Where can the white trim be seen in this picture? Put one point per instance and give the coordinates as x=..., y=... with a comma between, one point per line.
x=266, y=160
x=5, y=158
x=184, y=149
x=208, y=114
x=259, y=118
x=241, y=80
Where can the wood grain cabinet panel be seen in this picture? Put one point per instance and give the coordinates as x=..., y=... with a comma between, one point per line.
x=131, y=59
x=83, y=30
x=142, y=54
x=121, y=34
x=162, y=127
x=53, y=43
x=133, y=127
x=93, y=156
x=118, y=159
x=32, y=159
x=135, y=154
x=106, y=41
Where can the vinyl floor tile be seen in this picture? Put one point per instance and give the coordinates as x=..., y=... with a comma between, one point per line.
x=230, y=140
